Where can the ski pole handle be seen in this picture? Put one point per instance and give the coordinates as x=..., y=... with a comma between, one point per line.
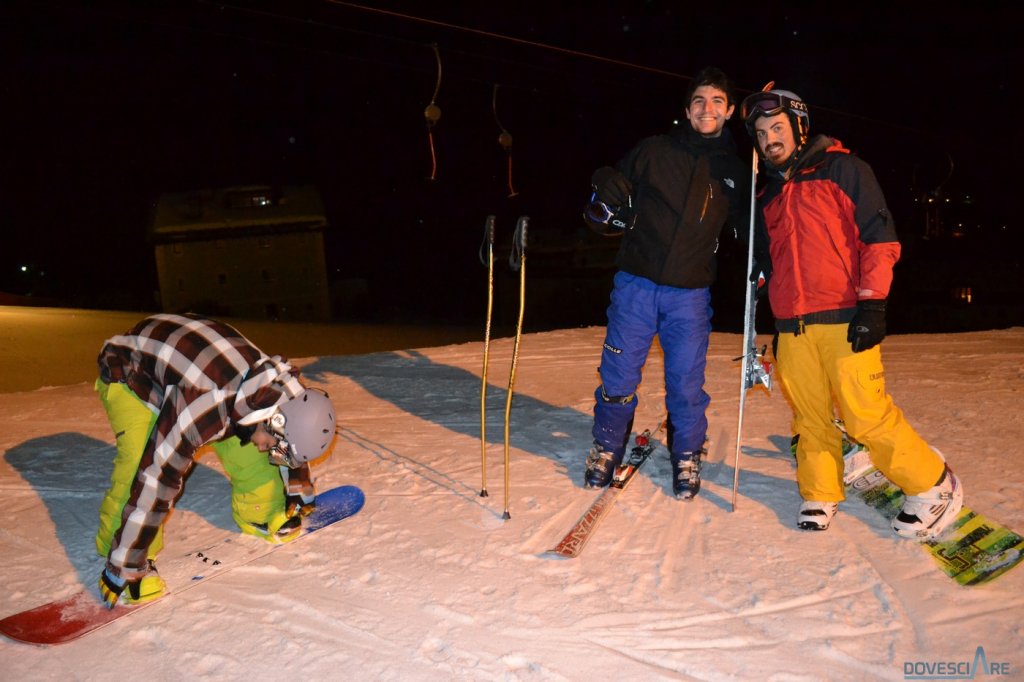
x=518, y=242
x=487, y=246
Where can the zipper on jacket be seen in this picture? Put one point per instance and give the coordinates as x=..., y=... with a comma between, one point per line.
x=708, y=196
x=839, y=255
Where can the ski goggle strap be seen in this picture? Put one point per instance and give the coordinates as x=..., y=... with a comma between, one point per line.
x=597, y=211
x=770, y=103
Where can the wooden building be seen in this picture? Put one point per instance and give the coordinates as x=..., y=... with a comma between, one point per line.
x=252, y=252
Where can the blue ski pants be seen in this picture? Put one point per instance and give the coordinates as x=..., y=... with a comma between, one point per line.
x=682, y=320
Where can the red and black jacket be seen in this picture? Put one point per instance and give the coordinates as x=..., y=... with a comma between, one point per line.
x=829, y=234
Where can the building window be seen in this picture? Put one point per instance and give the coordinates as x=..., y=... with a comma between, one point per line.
x=254, y=197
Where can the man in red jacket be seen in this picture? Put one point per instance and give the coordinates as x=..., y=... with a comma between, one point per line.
x=829, y=245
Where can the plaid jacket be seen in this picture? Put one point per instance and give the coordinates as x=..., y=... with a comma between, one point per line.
x=201, y=378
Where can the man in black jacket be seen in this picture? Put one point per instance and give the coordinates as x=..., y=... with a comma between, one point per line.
x=672, y=194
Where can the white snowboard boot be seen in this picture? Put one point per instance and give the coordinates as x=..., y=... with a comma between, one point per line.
x=816, y=515
x=925, y=516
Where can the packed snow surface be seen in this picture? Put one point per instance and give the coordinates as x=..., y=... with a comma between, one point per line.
x=429, y=582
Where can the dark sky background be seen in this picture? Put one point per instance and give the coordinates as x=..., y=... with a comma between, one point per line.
x=107, y=104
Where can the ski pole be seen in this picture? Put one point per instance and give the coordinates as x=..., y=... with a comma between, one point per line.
x=487, y=247
x=748, y=331
x=517, y=261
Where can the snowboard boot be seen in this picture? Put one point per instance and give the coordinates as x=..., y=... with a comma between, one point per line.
x=279, y=530
x=925, y=516
x=686, y=475
x=601, y=465
x=816, y=515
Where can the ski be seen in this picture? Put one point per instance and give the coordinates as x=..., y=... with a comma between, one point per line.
x=754, y=369
x=572, y=544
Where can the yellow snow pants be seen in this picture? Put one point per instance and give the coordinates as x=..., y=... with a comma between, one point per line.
x=257, y=488
x=817, y=370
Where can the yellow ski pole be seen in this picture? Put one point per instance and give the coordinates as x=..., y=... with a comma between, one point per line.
x=486, y=248
x=517, y=261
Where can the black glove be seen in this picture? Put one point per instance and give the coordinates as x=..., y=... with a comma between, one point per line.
x=111, y=587
x=611, y=186
x=867, y=328
x=148, y=587
x=297, y=505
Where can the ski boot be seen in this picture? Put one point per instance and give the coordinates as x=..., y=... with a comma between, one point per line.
x=686, y=475
x=816, y=515
x=601, y=465
x=925, y=516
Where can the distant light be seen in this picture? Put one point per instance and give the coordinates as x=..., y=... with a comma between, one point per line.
x=962, y=294
x=24, y=268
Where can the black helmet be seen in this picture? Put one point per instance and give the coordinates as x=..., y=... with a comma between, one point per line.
x=772, y=102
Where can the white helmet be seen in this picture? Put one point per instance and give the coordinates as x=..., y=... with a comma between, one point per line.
x=305, y=426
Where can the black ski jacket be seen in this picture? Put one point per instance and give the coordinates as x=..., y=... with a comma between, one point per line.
x=686, y=187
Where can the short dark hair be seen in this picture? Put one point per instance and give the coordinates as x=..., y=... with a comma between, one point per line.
x=714, y=77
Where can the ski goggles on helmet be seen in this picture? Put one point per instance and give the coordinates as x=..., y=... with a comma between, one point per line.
x=282, y=453
x=770, y=103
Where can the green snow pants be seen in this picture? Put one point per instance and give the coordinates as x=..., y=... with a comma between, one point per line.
x=257, y=489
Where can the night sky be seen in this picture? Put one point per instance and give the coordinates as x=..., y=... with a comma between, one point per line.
x=106, y=105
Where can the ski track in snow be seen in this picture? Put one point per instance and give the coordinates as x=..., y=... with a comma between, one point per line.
x=429, y=582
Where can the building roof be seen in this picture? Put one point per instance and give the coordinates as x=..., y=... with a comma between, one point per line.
x=218, y=212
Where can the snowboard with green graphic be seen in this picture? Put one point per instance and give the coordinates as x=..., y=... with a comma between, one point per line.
x=974, y=550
